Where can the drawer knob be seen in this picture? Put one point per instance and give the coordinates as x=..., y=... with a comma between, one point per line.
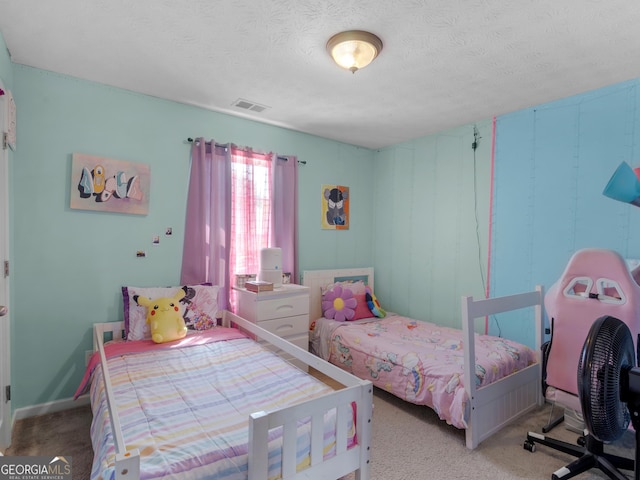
x=284, y=327
x=284, y=307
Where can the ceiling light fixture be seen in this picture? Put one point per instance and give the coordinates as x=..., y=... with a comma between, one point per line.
x=354, y=49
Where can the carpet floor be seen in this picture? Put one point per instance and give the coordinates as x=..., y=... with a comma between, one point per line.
x=409, y=442
x=64, y=433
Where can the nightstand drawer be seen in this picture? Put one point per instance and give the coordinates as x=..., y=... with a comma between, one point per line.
x=283, y=307
x=287, y=326
x=283, y=312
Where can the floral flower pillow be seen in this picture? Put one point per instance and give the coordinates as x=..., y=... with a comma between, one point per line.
x=344, y=301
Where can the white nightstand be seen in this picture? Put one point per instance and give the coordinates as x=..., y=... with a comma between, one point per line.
x=283, y=311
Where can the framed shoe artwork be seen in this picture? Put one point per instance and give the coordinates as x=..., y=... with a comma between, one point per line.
x=109, y=185
x=335, y=207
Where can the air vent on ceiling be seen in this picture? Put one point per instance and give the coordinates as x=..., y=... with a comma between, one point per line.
x=248, y=105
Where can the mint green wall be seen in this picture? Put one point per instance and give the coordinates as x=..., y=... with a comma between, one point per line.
x=431, y=226
x=68, y=265
x=336, y=164
x=412, y=215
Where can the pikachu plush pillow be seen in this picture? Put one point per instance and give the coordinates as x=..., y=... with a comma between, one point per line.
x=164, y=316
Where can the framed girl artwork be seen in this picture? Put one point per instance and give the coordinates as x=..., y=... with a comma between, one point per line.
x=109, y=185
x=335, y=207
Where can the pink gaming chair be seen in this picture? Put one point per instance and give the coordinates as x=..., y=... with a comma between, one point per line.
x=595, y=282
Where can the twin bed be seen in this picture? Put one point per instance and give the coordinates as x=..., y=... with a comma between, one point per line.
x=218, y=405
x=428, y=364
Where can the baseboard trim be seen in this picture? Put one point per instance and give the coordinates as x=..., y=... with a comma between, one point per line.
x=50, y=407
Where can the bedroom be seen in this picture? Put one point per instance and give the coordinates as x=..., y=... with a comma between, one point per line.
x=68, y=266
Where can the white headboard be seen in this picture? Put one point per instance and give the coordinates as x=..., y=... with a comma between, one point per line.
x=316, y=280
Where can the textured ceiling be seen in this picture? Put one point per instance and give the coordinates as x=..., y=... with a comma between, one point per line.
x=444, y=63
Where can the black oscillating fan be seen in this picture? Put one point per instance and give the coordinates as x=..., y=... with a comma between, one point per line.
x=609, y=391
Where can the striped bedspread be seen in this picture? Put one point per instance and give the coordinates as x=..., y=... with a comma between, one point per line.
x=186, y=409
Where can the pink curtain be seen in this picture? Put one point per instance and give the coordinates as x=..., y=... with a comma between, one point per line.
x=239, y=202
x=207, y=238
x=251, y=209
x=285, y=212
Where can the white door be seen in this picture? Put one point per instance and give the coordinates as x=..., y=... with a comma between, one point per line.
x=5, y=355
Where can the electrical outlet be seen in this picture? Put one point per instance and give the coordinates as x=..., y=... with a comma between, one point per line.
x=87, y=357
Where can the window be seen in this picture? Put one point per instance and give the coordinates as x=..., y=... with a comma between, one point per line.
x=239, y=202
x=250, y=210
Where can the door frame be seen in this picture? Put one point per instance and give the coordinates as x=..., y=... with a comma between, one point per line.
x=5, y=321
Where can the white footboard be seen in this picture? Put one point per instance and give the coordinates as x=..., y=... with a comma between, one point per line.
x=356, y=391
x=493, y=406
x=356, y=397
x=490, y=407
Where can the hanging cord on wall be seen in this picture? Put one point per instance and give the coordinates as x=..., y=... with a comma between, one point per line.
x=474, y=146
x=190, y=141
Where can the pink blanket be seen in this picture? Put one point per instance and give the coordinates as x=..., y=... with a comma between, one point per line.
x=421, y=362
x=138, y=346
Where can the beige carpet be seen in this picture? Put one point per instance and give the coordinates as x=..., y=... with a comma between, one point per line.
x=409, y=443
x=63, y=433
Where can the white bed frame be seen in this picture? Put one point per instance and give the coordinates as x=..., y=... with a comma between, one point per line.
x=493, y=406
x=346, y=459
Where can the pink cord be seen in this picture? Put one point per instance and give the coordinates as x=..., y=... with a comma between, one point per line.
x=493, y=159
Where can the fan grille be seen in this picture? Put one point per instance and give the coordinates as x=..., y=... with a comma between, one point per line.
x=606, y=356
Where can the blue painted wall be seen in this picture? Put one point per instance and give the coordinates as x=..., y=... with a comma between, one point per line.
x=552, y=163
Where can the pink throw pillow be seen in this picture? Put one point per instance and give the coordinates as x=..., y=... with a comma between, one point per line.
x=362, y=308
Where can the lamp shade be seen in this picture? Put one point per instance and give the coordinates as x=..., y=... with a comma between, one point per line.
x=624, y=185
x=354, y=49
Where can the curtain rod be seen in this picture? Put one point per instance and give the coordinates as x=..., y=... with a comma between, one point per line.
x=300, y=162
